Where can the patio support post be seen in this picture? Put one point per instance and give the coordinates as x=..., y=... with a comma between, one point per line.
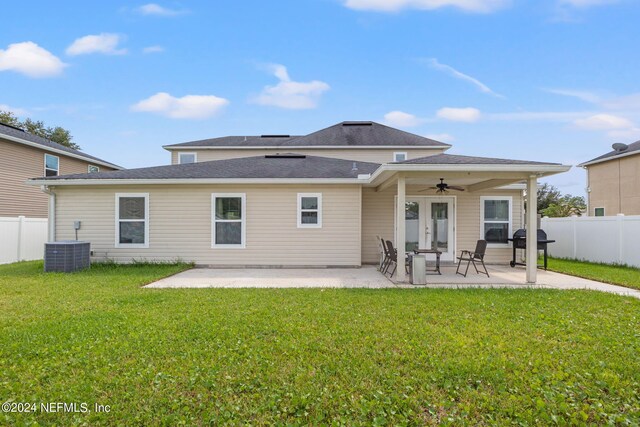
x=400, y=228
x=532, y=229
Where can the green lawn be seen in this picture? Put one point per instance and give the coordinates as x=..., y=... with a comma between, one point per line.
x=614, y=274
x=312, y=356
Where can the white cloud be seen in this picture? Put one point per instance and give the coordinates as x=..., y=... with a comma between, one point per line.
x=468, y=115
x=604, y=122
x=442, y=137
x=153, y=49
x=476, y=6
x=106, y=43
x=580, y=94
x=627, y=102
x=402, y=119
x=14, y=110
x=433, y=63
x=157, y=10
x=30, y=59
x=586, y=3
x=187, y=107
x=290, y=94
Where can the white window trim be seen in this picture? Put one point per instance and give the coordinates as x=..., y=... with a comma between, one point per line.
x=243, y=220
x=146, y=221
x=482, y=220
x=94, y=166
x=396, y=153
x=319, y=210
x=195, y=157
x=604, y=212
x=45, y=164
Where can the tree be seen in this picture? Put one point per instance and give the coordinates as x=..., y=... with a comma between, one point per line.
x=548, y=195
x=55, y=134
x=568, y=205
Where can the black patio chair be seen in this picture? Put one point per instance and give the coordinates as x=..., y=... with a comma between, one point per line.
x=385, y=258
x=473, y=257
x=393, y=254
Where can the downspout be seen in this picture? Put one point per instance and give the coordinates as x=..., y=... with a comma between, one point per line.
x=52, y=212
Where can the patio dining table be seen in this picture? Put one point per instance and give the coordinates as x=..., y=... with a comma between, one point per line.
x=436, y=270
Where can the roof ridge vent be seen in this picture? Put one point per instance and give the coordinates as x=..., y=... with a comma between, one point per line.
x=285, y=156
x=620, y=147
x=357, y=123
x=275, y=136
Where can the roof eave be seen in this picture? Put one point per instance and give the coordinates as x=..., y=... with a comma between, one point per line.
x=195, y=181
x=606, y=159
x=61, y=152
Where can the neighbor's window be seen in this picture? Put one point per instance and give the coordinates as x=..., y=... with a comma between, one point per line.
x=187, y=158
x=309, y=210
x=51, y=165
x=399, y=157
x=228, y=228
x=495, y=214
x=599, y=211
x=132, y=220
x=93, y=168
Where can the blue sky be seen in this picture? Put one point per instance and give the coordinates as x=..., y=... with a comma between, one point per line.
x=550, y=80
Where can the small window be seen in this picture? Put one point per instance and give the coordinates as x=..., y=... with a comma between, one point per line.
x=309, y=210
x=187, y=158
x=51, y=165
x=228, y=218
x=399, y=156
x=599, y=211
x=132, y=220
x=93, y=169
x=496, y=219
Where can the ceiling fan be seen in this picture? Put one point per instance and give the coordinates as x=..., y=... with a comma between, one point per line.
x=443, y=187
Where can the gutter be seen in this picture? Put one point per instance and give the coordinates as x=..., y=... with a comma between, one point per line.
x=61, y=152
x=362, y=179
x=308, y=147
x=52, y=213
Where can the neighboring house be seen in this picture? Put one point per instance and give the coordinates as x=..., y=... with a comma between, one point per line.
x=313, y=200
x=613, y=181
x=24, y=156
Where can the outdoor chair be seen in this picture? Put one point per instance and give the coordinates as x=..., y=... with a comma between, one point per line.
x=393, y=259
x=382, y=249
x=473, y=257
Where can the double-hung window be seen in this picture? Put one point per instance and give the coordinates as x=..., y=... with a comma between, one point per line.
x=309, y=210
x=496, y=217
x=51, y=165
x=132, y=220
x=228, y=220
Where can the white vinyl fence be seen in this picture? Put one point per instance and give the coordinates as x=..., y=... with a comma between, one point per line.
x=22, y=239
x=608, y=239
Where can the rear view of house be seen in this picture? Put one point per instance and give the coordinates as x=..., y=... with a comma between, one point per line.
x=313, y=200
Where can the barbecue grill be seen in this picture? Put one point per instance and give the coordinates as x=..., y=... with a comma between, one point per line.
x=520, y=242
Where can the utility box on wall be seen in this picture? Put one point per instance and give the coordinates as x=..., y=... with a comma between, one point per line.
x=67, y=256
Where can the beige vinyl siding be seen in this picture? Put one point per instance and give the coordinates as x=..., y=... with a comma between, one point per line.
x=180, y=224
x=20, y=162
x=615, y=186
x=378, y=210
x=362, y=154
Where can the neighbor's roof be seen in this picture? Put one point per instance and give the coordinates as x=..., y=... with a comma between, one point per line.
x=451, y=159
x=342, y=135
x=267, y=167
x=633, y=148
x=18, y=135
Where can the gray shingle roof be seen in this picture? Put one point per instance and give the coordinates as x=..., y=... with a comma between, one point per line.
x=45, y=143
x=633, y=148
x=344, y=134
x=276, y=166
x=451, y=159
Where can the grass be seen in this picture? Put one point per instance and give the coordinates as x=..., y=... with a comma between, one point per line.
x=312, y=356
x=609, y=273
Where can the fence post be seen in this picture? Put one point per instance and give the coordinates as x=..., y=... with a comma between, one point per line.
x=20, y=237
x=620, y=221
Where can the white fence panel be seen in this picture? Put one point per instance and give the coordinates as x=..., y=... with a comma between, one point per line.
x=22, y=239
x=608, y=239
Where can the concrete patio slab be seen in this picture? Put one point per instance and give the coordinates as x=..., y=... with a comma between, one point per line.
x=369, y=277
